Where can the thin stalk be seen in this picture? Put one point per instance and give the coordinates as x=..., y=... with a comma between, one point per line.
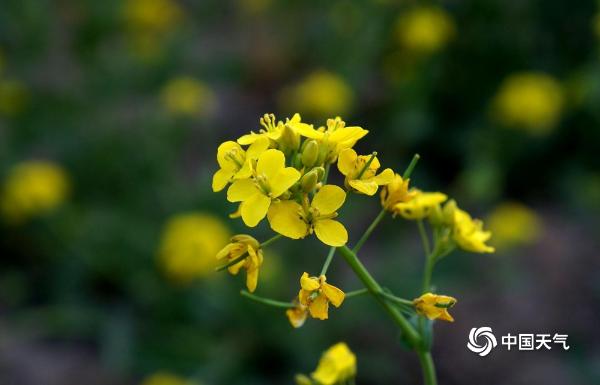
x=428, y=367
x=366, y=166
x=232, y=262
x=326, y=175
x=424, y=237
x=356, y=293
x=398, y=300
x=270, y=240
x=369, y=230
x=411, y=166
x=267, y=301
x=328, y=260
x=375, y=289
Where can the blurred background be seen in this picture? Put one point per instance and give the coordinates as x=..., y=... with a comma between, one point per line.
x=110, y=116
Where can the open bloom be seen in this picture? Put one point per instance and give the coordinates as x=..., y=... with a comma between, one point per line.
x=240, y=245
x=420, y=205
x=336, y=366
x=269, y=181
x=297, y=315
x=469, y=234
x=434, y=306
x=291, y=219
x=235, y=163
x=272, y=129
x=361, y=172
x=316, y=294
x=396, y=192
x=334, y=139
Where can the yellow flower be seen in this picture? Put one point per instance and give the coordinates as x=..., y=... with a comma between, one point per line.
x=333, y=140
x=425, y=30
x=186, y=96
x=240, y=245
x=163, y=378
x=291, y=219
x=270, y=180
x=361, y=172
x=13, y=97
x=316, y=294
x=532, y=101
x=189, y=243
x=514, y=224
x=434, y=306
x=320, y=94
x=236, y=163
x=396, y=192
x=32, y=188
x=272, y=129
x=468, y=233
x=337, y=365
x=152, y=16
x=297, y=315
x=420, y=205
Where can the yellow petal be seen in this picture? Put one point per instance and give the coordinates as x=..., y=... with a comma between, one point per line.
x=296, y=316
x=333, y=294
x=347, y=161
x=283, y=181
x=319, y=308
x=249, y=138
x=307, y=131
x=241, y=189
x=252, y=279
x=285, y=218
x=347, y=134
x=331, y=232
x=220, y=179
x=367, y=187
x=386, y=176
x=259, y=146
x=223, y=151
x=270, y=163
x=328, y=199
x=254, y=209
x=309, y=284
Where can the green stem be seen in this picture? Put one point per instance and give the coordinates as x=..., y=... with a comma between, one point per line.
x=328, y=260
x=356, y=293
x=424, y=237
x=366, y=166
x=232, y=262
x=326, y=175
x=411, y=166
x=398, y=300
x=267, y=301
x=270, y=240
x=370, y=229
x=428, y=367
x=359, y=269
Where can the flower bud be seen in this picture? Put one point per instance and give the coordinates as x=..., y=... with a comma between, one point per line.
x=310, y=153
x=309, y=180
x=246, y=239
x=320, y=172
x=297, y=161
x=289, y=140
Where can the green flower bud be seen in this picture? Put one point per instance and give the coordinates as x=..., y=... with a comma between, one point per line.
x=297, y=161
x=309, y=180
x=289, y=140
x=310, y=153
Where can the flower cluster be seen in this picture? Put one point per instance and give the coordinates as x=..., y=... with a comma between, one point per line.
x=281, y=172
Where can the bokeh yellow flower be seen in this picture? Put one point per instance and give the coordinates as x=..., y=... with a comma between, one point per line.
x=32, y=188
x=320, y=94
x=434, y=306
x=189, y=243
x=316, y=294
x=424, y=30
x=532, y=101
x=336, y=366
x=396, y=192
x=514, y=224
x=239, y=246
x=469, y=234
x=421, y=204
x=164, y=378
x=296, y=221
x=187, y=96
x=361, y=172
x=13, y=97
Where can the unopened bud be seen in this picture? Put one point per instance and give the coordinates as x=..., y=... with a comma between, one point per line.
x=310, y=153
x=290, y=140
x=309, y=181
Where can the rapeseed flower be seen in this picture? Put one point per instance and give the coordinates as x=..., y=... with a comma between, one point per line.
x=269, y=181
x=361, y=172
x=235, y=163
x=533, y=101
x=421, y=204
x=434, y=306
x=336, y=366
x=469, y=234
x=514, y=224
x=316, y=294
x=272, y=129
x=289, y=218
x=297, y=315
x=425, y=30
x=396, y=192
x=33, y=188
x=240, y=245
x=189, y=243
x=164, y=378
x=186, y=96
